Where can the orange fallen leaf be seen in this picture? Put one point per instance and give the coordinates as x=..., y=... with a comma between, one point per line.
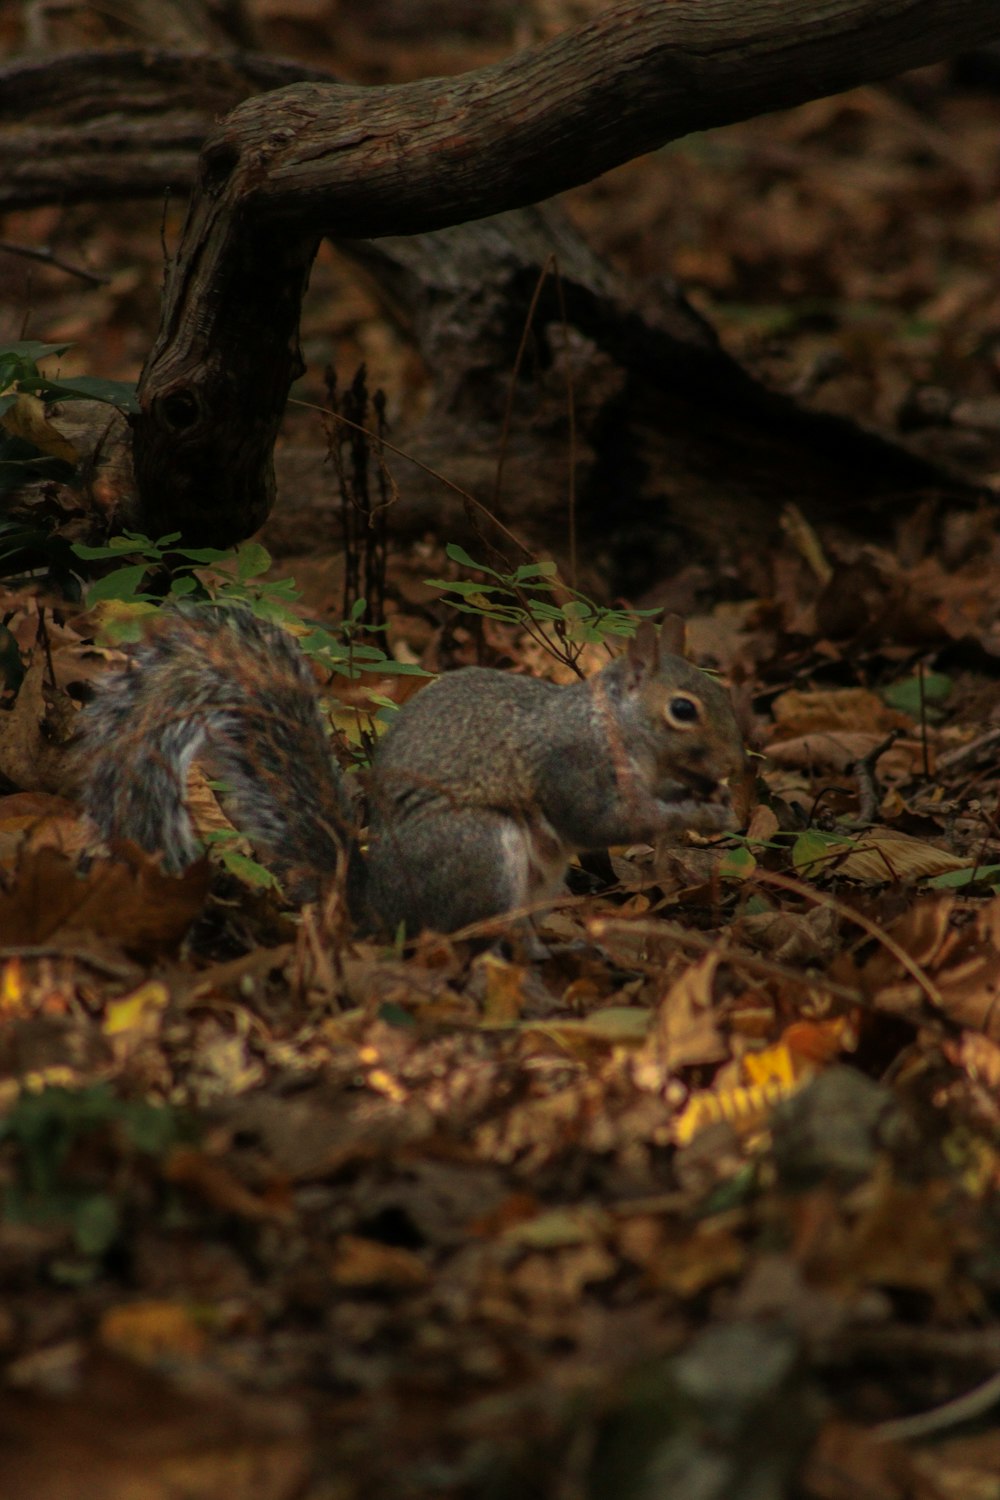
x=146, y=1331
x=360, y=1262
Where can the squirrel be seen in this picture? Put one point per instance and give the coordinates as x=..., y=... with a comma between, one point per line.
x=481, y=789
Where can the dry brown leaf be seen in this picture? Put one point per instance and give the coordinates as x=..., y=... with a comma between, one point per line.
x=359, y=1262
x=961, y=960
x=560, y=1277
x=867, y=1249
x=763, y=824
x=128, y=902
x=684, y=1030
x=24, y=747
x=979, y=1056
x=45, y=822
x=848, y=709
x=882, y=854
x=126, y=1434
x=213, y=1182
x=689, y=1265
x=503, y=991
x=146, y=1331
x=792, y=937
x=848, y=1462
x=963, y=1467
x=839, y=750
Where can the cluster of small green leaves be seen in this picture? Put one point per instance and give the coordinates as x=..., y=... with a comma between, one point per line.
x=32, y=447
x=29, y=446
x=211, y=575
x=50, y=1132
x=534, y=598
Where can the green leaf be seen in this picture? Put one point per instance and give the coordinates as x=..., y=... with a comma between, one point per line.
x=737, y=863
x=248, y=870
x=150, y=1128
x=462, y=586
x=394, y=1015
x=96, y=1222
x=31, y=349
x=972, y=875
x=534, y=570
x=122, y=583
x=812, y=850
x=905, y=695
x=183, y=587
x=204, y=556
x=458, y=554
x=393, y=668
x=120, y=393
x=114, y=547
x=251, y=561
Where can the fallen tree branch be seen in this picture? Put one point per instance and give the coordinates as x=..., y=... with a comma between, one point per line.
x=311, y=159
x=85, y=127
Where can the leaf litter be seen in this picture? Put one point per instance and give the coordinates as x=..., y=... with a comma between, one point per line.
x=705, y=1202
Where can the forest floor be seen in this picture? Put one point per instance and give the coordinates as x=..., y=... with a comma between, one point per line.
x=705, y=1204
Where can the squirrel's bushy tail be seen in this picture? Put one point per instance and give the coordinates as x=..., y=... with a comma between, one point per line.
x=217, y=685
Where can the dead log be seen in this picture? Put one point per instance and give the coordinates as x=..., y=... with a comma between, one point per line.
x=677, y=450
x=287, y=167
x=672, y=403
x=99, y=126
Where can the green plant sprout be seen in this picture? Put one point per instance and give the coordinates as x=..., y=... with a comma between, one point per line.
x=533, y=598
x=48, y=1185
x=223, y=577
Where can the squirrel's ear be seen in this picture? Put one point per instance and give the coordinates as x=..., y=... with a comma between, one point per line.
x=673, y=635
x=644, y=651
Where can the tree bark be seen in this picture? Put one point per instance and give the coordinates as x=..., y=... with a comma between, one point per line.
x=287, y=167
x=84, y=127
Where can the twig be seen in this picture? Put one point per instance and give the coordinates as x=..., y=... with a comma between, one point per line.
x=767, y=968
x=963, y=1409
x=952, y=758
x=49, y=257
x=508, y=415
x=821, y=898
x=864, y=770
x=450, y=484
x=79, y=955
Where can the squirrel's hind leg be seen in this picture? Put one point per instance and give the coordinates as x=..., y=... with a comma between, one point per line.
x=447, y=868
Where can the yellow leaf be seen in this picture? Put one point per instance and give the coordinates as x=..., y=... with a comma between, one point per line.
x=140, y=1011
x=118, y=620
x=615, y=1025
x=12, y=987
x=26, y=419
x=775, y=1065
x=744, y=1107
x=503, y=1000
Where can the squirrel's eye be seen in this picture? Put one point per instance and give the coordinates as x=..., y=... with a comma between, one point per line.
x=684, y=711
